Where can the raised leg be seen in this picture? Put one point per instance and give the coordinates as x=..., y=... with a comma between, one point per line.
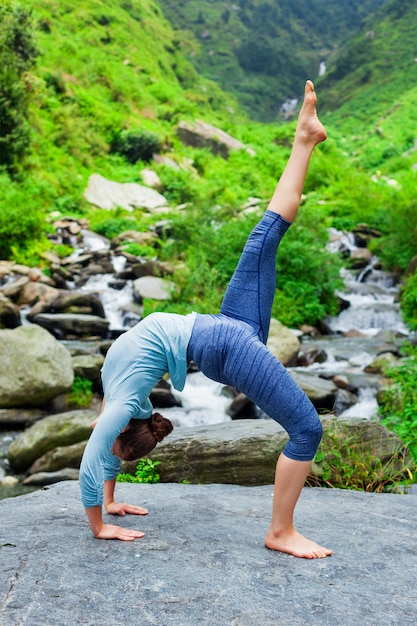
x=309, y=132
x=290, y=474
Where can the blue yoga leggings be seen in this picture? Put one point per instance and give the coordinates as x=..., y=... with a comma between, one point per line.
x=230, y=347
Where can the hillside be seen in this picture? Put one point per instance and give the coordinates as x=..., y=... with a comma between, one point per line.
x=263, y=51
x=110, y=72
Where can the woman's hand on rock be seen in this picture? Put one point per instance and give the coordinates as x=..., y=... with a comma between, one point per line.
x=121, y=508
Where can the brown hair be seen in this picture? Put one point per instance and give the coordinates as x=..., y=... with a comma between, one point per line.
x=142, y=436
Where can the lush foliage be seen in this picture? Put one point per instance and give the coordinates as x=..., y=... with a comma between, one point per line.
x=350, y=466
x=99, y=102
x=399, y=401
x=17, y=56
x=146, y=472
x=409, y=302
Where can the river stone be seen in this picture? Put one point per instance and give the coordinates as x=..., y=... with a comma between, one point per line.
x=47, y=434
x=381, y=363
x=34, y=367
x=283, y=343
x=12, y=289
x=245, y=452
x=59, y=458
x=50, y=478
x=321, y=392
x=72, y=323
x=88, y=366
x=9, y=313
x=152, y=287
x=107, y=194
x=13, y=418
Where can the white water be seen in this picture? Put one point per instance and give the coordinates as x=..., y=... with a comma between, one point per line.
x=202, y=403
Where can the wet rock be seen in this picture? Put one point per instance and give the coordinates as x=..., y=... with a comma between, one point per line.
x=344, y=400
x=34, y=367
x=381, y=363
x=89, y=366
x=310, y=356
x=241, y=408
x=64, y=324
x=162, y=396
x=360, y=258
x=9, y=313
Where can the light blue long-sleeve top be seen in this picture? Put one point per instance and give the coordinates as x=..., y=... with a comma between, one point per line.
x=135, y=363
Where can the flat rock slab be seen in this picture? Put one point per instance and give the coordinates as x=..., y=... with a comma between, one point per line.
x=202, y=560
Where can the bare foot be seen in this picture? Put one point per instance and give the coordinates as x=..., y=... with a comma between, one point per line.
x=309, y=128
x=292, y=542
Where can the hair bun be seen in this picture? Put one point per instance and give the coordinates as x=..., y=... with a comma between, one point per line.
x=160, y=426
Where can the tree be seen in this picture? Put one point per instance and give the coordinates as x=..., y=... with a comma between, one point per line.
x=18, y=53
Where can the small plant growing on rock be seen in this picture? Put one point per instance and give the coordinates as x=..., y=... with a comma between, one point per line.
x=145, y=473
x=81, y=392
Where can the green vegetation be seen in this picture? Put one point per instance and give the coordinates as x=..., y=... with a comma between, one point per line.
x=350, y=466
x=81, y=393
x=17, y=57
x=398, y=405
x=263, y=51
x=146, y=472
x=97, y=103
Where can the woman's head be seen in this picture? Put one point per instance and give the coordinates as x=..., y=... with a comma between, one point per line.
x=140, y=438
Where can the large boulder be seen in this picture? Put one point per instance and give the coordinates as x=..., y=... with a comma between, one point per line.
x=34, y=367
x=200, y=134
x=64, y=324
x=283, y=343
x=152, y=287
x=54, y=431
x=107, y=194
x=245, y=452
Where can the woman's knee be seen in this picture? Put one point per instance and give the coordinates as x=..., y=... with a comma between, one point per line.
x=303, y=445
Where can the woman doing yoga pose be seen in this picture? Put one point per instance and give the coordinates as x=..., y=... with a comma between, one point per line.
x=228, y=347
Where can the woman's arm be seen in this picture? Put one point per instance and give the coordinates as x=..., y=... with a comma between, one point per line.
x=118, y=508
x=109, y=531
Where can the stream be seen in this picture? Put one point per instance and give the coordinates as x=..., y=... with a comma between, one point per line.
x=370, y=293
x=371, y=299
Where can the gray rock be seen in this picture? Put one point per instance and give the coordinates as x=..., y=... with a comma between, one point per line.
x=73, y=323
x=283, y=343
x=202, y=560
x=50, y=478
x=203, y=135
x=108, y=194
x=152, y=287
x=59, y=458
x=321, y=392
x=34, y=367
x=20, y=417
x=88, y=366
x=51, y=432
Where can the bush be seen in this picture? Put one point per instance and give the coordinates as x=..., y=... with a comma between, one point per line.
x=21, y=222
x=17, y=56
x=409, y=302
x=136, y=145
x=398, y=404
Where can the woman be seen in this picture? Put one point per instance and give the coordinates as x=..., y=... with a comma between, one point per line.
x=229, y=348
